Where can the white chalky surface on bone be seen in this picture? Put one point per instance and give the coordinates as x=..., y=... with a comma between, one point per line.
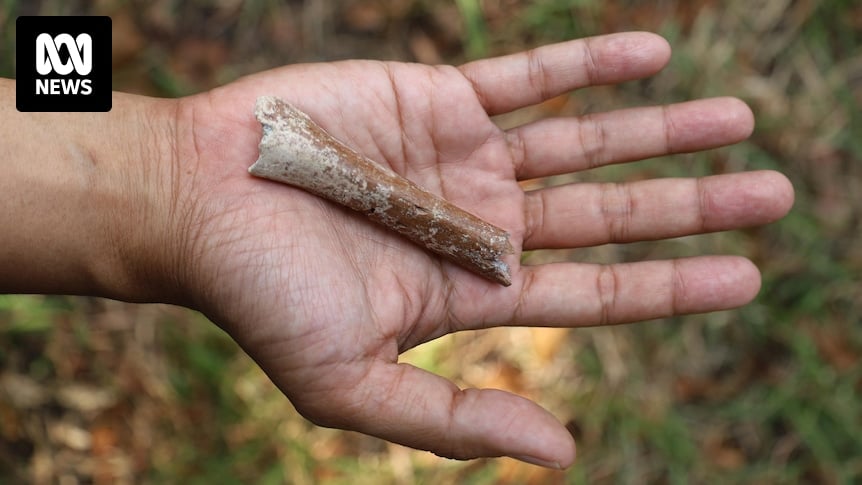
x=289, y=154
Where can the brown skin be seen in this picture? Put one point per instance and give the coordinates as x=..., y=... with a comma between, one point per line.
x=153, y=202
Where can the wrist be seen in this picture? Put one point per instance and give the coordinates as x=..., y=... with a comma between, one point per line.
x=88, y=200
x=141, y=200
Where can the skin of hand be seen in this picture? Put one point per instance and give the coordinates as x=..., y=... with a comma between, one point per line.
x=325, y=301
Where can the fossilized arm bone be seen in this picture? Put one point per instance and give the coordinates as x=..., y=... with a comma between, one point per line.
x=296, y=151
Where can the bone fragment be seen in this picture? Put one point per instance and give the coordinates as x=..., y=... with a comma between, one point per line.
x=296, y=151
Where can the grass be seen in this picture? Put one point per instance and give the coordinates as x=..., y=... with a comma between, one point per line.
x=765, y=394
x=475, y=31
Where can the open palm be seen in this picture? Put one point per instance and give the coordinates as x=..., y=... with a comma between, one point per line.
x=325, y=301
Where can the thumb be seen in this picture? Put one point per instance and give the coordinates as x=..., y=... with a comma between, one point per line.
x=413, y=407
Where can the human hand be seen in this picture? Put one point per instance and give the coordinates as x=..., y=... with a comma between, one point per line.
x=325, y=301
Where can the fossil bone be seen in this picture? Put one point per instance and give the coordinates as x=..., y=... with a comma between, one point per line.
x=296, y=151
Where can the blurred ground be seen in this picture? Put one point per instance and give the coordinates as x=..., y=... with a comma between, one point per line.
x=95, y=391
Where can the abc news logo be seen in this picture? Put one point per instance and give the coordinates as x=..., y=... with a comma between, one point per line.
x=64, y=64
x=48, y=60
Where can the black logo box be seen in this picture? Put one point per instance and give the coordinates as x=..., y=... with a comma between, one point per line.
x=99, y=98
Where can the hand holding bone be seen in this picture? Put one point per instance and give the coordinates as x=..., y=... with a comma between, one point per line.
x=325, y=301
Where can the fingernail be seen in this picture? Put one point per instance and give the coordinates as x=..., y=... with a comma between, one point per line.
x=535, y=461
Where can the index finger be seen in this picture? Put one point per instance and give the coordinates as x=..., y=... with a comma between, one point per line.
x=510, y=82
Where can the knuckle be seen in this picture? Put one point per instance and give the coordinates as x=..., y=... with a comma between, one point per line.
x=592, y=136
x=535, y=215
x=517, y=149
x=537, y=75
x=590, y=63
x=617, y=209
x=607, y=289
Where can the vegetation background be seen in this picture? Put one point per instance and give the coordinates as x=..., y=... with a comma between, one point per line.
x=96, y=391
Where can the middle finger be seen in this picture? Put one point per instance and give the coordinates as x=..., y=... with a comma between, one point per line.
x=653, y=209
